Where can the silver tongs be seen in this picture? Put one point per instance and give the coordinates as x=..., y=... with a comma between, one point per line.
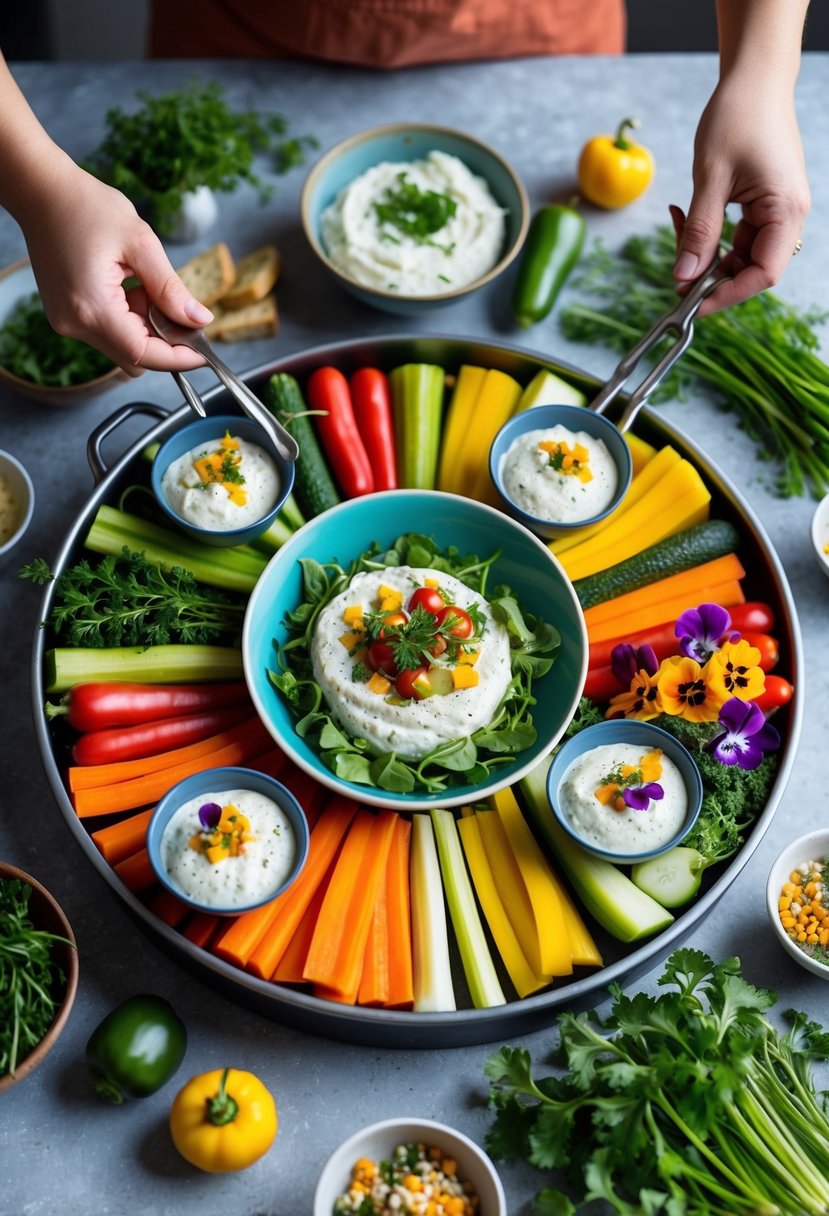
x=680, y=320
x=180, y=335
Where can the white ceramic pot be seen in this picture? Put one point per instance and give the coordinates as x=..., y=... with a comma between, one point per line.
x=196, y=216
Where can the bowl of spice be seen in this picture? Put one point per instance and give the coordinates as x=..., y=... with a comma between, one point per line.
x=797, y=901
x=409, y=1165
x=17, y=502
x=39, y=967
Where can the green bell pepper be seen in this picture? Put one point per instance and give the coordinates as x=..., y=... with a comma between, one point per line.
x=554, y=244
x=136, y=1048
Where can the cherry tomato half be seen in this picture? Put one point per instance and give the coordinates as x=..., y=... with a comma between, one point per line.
x=393, y=621
x=428, y=598
x=406, y=683
x=768, y=647
x=455, y=622
x=380, y=657
x=777, y=692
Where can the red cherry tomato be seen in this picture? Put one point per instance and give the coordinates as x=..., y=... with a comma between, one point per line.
x=751, y=616
x=767, y=645
x=428, y=598
x=455, y=622
x=393, y=621
x=380, y=657
x=406, y=684
x=777, y=692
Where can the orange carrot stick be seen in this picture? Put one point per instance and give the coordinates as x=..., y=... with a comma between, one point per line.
x=247, y=932
x=149, y=788
x=136, y=873
x=725, y=569
x=93, y=776
x=290, y=967
x=168, y=907
x=335, y=958
x=374, y=979
x=124, y=838
x=399, y=918
x=199, y=929
x=649, y=615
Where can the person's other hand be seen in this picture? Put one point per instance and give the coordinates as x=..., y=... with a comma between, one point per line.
x=85, y=239
x=747, y=151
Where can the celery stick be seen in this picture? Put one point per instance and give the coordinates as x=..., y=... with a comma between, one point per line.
x=417, y=403
x=609, y=895
x=277, y=534
x=545, y=388
x=70, y=665
x=433, y=991
x=484, y=987
x=291, y=513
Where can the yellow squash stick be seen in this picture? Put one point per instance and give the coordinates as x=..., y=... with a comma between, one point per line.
x=640, y=452
x=536, y=868
x=524, y=979
x=461, y=409
x=532, y=906
x=474, y=421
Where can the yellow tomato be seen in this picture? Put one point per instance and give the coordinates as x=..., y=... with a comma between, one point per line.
x=223, y=1120
x=613, y=170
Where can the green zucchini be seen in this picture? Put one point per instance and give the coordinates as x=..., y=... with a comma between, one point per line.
x=672, y=878
x=417, y=405
x=627, y=913
x=554, y=244
x=314, y=487
x=702, y=543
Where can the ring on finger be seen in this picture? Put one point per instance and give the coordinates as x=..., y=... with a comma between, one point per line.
x=798, y=245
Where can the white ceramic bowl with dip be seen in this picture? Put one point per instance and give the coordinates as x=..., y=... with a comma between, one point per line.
x=812, y=847
x=206, y=435
x=228, y=886
x=377, y=1143
x=581, y=508
x=17, y=502
x=624, y=741
x=820, y=534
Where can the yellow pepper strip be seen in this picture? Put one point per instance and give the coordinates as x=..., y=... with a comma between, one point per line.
x=613, y=170
x=223, y=1120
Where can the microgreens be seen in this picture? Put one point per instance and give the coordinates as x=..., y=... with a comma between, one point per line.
x=416, y=213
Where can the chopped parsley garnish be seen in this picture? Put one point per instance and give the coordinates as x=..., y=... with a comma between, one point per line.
x=360, y=673
x=416, y=213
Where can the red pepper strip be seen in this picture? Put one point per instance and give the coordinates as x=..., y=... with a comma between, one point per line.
x=752, y=616
x=337, y=427
x=150, y=738
x=662, y=638
x=372, y=409
x=777, y=692
x=96, y=706
x=768, y=647
x=601, y=684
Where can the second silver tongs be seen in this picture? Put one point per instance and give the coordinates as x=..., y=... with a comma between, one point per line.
x=180, y=335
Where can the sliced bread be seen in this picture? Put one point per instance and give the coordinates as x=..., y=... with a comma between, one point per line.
x=256, y=274
x=259, y=320
x=209, y=275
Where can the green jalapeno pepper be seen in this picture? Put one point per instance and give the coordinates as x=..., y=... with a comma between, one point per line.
x=554, y=244
x=136, y=1048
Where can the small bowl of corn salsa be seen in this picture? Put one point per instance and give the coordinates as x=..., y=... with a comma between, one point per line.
x=17, y=498
x=412, y=1166
x=797, y=899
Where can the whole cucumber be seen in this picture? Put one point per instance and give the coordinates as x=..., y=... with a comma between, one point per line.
x=554, y=244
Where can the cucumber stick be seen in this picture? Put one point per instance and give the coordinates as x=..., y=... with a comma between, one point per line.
x=433, y=990
x=683, y=551
x=625, y=911
x=673, y=878
x=417, y=405
x=546, y=388
x=314, y=487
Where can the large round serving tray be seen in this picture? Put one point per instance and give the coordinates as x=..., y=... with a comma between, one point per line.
x=467, y=1026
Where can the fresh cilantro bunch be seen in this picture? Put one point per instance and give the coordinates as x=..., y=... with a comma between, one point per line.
x=179, y=141
x=687, y=1104
x=30, y=349
x=129, y=601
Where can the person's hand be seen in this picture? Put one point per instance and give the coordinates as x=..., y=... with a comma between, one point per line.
x=747, y=151
x=84, y=239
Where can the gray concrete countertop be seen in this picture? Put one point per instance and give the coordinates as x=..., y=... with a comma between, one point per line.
x=59, y=1149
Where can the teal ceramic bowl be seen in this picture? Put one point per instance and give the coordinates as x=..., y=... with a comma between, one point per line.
x=219, y=781
x=399, y=142
x=340, y=535
x=209, y=430
x=641, y=734
x=575, y=418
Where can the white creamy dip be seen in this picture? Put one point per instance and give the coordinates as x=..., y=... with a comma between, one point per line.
x=233, y=882
x=554, y=494
x=414, y=729
x=223, y=504
x=378, y=254
x=629, y=831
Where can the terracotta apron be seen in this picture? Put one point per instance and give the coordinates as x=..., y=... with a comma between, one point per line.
x=385, y=33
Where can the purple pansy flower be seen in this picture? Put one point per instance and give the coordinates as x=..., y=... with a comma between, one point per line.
x=639, y=797
x=701, y=631
x=747, y=735
x=627, y=661
x=209, y=815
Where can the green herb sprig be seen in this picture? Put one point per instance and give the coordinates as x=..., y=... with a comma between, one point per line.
x=30, y=979
x=685, y=1104
x=129, y=601
x=416, y=213
x=31, y=350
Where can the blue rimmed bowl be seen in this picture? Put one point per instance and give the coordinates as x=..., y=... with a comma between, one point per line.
x=210, y=430
x=218, y=781
x=641, y=734
x=398, y=143
x=574, y=418
x=345, y=531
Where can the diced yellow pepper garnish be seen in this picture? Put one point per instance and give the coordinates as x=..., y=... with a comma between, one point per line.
x=379, y=684
x=384, y=592
x=216, y=852
x=465, y=677
x=431, y=582
x=351, y=639
x=353, y=614
x=468, y=658
x=391, y=603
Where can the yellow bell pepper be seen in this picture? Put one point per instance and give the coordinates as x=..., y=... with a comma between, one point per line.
x=613, y=170
x=223, y=1120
